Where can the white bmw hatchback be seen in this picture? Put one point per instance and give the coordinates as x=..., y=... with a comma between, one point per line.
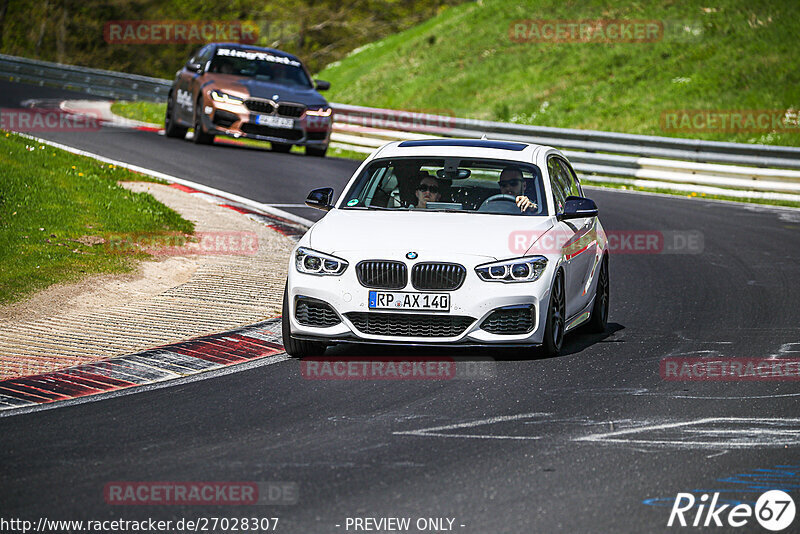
x=451, y=242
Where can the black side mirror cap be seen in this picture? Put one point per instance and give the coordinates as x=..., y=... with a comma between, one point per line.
x=320, y=198
x=195, y=67
x=578, y=208
x=322, y=85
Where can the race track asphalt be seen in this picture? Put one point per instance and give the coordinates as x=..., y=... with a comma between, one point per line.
x=537, y=447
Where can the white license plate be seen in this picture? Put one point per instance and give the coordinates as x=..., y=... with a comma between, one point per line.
x=389, y=300
x=275, y=122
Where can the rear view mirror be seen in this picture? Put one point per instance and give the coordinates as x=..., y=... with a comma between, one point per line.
x=320, y=198
x=453, y=174
x=578, y=208
x=195, y=67
x=322, y=85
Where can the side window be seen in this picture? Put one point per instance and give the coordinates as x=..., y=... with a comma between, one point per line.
x=205, y=55
x=193, y=57
x=554, y=171
x=574, y=187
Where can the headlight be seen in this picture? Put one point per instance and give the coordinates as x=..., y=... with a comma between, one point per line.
x=517, y=270
x=312, y=262
x=321, y=112
x=219, y=96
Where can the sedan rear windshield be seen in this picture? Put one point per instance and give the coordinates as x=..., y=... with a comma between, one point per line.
x=452, y=185
x=262, y=66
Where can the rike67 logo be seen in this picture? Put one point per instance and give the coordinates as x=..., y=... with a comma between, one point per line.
x=774, y=510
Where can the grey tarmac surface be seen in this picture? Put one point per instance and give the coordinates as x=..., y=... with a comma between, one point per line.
x=545, y=445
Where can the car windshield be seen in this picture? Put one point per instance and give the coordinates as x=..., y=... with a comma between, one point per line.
x=448, y=185
x=260, y=65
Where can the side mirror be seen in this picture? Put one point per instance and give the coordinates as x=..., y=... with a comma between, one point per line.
x=578, y=208
x=195, y=67
x=320, y=198
x=322, y=85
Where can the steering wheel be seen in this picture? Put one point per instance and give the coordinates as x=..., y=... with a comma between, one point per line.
x=500, y=196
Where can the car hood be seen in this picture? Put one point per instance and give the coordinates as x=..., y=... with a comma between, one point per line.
x=260, y=89
x=431, y=234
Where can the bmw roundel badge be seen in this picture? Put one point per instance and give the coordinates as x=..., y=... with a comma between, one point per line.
x=411, y=255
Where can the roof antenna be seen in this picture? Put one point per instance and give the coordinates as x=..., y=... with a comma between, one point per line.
x=484, y=138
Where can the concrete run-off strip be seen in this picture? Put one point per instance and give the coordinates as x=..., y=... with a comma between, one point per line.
x=166, y=302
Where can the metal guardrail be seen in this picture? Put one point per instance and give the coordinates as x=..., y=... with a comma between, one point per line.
x=629, y=156
x=584, y=140
x=94, y=82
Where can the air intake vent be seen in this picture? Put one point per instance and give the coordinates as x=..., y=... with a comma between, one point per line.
x=382, y=274
x=441, y=276
x=511, y=320
x=312, y=312
x=269, y=131
x=409, y=325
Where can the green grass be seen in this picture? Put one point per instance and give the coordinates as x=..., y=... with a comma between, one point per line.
x=737, y=55
x=141, y=111
x=49, y=199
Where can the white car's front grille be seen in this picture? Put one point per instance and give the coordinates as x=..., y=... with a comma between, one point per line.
x=382, y=274
x=441, y=276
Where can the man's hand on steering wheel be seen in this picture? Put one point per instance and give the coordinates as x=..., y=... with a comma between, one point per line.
x=524, y=203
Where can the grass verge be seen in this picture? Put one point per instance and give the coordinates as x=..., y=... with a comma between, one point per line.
x=152, y=112
x=55, y=208
x=468, y=61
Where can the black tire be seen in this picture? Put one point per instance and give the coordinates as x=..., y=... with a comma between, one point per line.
x=556, y=320
x=170, y=128
x=297, y=348
x=599, y=318
x=280, y=147
x=200, y=135
x=316, y=152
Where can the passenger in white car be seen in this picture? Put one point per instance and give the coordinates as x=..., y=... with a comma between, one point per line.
x=428, y=190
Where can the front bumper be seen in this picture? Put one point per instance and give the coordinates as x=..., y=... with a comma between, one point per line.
x=237, y=121
x=475, y=299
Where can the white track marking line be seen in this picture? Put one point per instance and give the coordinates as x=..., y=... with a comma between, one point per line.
x=267, y=208
x=434, y=430
x=734, y=433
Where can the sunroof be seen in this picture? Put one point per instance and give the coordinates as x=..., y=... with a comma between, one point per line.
x=476, y=143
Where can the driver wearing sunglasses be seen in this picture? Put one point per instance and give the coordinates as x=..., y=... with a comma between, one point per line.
x=511, y=183
x=427, y=191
